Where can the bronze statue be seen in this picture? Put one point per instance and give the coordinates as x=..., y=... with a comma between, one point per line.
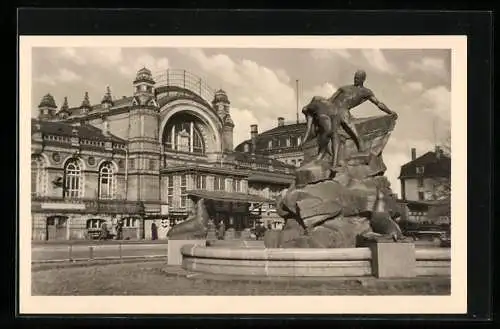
x=348, y=204
x=329, y=115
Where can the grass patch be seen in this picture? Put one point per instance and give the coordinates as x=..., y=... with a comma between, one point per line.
x=151, y=278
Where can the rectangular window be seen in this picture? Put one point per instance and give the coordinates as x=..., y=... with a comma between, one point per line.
x=130, y=222
x=420, y=182
x=183, y=191
x=270, y=144
x=420, y=170
x=201, y=182
x=420, y=195
x=219, y=183
x=170, y=190
x=152, y=164
x=236, y=185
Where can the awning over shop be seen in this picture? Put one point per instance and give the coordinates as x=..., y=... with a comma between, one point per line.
x=270, y=179
x=228, y=196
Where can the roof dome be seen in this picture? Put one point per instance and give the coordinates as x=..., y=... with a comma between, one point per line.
x=48, y=101
x=107, y=96
x=220, y=96
x=144, y=74
x=65, y=106
x=86, y=101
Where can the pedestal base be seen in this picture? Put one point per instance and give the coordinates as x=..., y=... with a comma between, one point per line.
x=393, y=259
x=174, y=249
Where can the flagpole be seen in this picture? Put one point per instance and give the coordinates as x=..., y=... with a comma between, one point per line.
x=297, y=98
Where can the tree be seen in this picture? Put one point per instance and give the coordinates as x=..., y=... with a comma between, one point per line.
x=442, y=185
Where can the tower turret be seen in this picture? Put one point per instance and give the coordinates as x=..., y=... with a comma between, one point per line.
x=221, y=105
x=144, y=89
x=47, y=108
x=107, y=99
x=144, y=147
x=85, y=107
x=64, y=110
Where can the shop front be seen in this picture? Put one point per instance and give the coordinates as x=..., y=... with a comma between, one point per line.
x=229, y=211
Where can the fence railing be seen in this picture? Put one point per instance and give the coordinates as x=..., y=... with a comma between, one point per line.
x=77, y=252
x=186, y=80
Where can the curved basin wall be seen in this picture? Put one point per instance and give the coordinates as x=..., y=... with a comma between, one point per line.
x=278, y=262
x=341, y=262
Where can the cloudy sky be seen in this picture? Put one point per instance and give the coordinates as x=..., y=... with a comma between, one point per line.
x=261, y=84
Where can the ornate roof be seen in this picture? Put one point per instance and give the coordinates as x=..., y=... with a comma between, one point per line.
x=86, y=101
x=144, y=75
x=64, y=107
x=48, y=101
x=107, y=97
x=220, y=96
x=85, y=131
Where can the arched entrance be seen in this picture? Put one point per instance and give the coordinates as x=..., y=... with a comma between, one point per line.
x=57, y=228
x=189, y=127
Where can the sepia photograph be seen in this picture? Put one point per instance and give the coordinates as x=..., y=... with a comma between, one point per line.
x=210, y=167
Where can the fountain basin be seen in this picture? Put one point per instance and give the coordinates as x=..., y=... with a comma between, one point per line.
x=314, y=262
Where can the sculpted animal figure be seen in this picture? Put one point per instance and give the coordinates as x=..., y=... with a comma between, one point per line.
x=327, y=116
x=195, y=226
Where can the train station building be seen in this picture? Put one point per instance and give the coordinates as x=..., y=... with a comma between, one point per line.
x=142, y=160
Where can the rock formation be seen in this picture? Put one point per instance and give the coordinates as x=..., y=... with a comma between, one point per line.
x=332, y=207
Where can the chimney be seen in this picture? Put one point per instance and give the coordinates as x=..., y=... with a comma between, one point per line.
x=413, y=153
x=254, y=131
x=438, y=151
x=281, y=121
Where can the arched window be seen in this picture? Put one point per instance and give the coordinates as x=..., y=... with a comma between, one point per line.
x=183, y=137
x=38, y=176
x=73, y=182
x=106, y=181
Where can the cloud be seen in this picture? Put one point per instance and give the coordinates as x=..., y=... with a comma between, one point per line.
x=105, y=57
x=156, y=65
x=438, y=102
x=63, y=76
x=324, y=90
x=413, y=86
x=257, y=88
x=376, y=58
x=329, y=53
x=429, y=65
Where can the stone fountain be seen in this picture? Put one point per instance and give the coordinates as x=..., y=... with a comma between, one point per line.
x=340, y=213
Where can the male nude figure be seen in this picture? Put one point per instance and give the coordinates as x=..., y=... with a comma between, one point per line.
x=329, y=118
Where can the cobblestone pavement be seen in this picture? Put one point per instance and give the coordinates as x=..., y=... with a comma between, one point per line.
x=156, y=278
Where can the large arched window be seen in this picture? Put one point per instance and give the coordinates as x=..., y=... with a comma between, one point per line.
x=183, y=137
x=106, y=181
x=38, y=176
x=73, y=180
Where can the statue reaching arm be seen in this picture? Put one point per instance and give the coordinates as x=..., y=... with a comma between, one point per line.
x=381, y=105
x=335, y=94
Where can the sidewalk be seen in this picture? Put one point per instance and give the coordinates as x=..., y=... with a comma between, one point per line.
x=94, y=242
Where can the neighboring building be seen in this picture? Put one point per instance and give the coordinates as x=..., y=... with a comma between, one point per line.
x=425, y=186
x=142, y=159
x=281, y=143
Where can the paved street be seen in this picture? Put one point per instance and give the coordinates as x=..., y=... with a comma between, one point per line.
x=65, y=252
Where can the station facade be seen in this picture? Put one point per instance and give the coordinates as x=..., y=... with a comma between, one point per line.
x=139, y=162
